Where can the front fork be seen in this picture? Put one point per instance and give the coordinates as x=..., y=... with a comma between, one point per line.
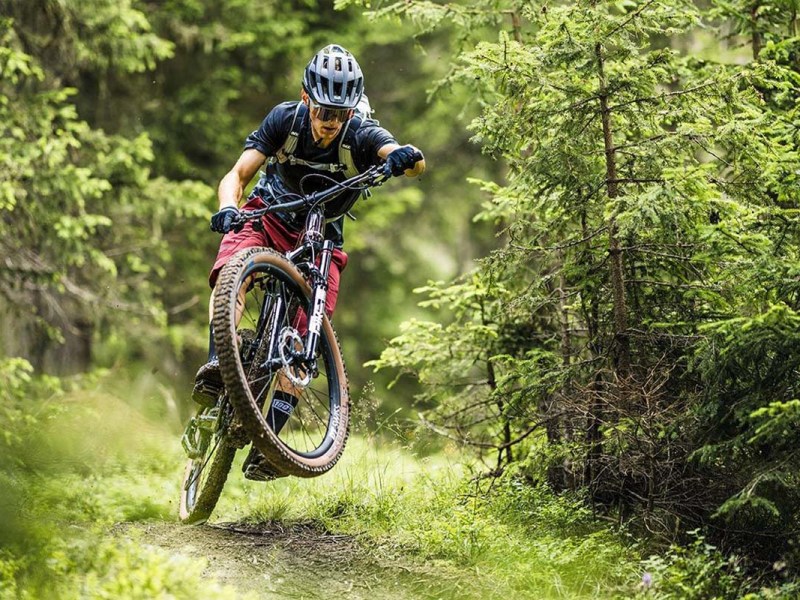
x=316, y=308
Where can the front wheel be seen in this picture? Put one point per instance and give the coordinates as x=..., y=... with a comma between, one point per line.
x=299, y=419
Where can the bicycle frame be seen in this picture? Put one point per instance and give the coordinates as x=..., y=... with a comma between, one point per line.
x=313, y=258
x=305, y=257
x=314, y=238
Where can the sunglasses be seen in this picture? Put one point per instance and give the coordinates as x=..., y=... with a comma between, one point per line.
x=328, y=114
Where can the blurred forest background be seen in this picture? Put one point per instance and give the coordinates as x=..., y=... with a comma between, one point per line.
x=604, y=248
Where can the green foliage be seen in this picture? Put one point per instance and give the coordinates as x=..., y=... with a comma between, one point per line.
x=758, y=21
x=648, y=267
x=74, y=462
x=750, y=364
x=698, y=570
x=83, y=222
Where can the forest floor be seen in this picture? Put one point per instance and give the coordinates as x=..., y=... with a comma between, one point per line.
x=94, y=515
x=383, y=524
x=89, y=488
x=299, y=560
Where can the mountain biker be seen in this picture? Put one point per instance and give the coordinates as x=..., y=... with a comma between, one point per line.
x=321, y=134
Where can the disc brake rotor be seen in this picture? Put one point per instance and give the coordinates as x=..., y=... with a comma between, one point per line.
x=291, y=351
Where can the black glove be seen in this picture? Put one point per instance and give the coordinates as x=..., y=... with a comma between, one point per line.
x=222, y=221
x=402, y=158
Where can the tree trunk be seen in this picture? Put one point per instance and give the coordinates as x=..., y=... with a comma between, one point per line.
x=755, y=36
x=621, y=349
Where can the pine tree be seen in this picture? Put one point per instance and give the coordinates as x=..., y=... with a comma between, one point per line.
x=649, y=198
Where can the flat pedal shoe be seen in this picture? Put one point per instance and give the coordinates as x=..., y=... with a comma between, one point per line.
x=207, y=384
x=256, y=468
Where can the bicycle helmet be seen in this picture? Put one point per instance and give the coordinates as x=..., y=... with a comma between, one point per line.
x=333, y=79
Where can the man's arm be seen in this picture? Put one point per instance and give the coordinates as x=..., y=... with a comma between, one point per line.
x=419, y=167
x=232, y=185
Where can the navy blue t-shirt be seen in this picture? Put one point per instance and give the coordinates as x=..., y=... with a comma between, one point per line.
x=282, y=178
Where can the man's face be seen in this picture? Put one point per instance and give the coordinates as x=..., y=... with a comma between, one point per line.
x=325, y=124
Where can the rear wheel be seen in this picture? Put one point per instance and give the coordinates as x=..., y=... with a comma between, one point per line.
x=211, y=453
x=298, y=417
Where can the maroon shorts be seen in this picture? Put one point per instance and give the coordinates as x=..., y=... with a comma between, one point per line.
x=278, y=237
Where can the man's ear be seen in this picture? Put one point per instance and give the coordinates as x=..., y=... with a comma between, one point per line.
x=304, y=97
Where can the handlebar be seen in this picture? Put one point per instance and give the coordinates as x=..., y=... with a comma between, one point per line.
x=375, y=176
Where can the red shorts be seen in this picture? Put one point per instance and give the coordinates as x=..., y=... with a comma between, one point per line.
x=278, y=237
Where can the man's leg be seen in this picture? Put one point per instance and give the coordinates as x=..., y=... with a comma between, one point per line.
x=208, y=381
x=338, y=263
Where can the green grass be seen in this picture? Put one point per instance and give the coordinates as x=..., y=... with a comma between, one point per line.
x=75, y=464
x=502, y=537
x=88, y=460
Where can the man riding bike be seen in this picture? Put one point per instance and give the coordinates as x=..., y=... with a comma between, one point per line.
x=321, y=134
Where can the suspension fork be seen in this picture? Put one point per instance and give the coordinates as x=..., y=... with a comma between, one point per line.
x=316, y=308
x=269, y=321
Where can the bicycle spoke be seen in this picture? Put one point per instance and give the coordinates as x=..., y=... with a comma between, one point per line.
x=308, y=437
x=313, y=412
x=264, y=390
x=316, y=414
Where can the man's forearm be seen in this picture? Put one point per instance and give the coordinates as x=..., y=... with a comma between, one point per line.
x=230, y=190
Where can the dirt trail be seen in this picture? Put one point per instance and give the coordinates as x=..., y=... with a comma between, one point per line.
x=299, y=561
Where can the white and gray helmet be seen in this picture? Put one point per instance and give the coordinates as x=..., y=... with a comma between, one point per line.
x=333, y=78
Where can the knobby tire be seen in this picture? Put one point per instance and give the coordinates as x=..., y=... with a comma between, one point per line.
x=284, y=458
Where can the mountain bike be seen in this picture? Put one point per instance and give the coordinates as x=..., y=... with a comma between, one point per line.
x=285, y=384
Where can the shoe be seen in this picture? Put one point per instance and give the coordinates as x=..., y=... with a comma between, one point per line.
x=207, y=384
x=208, y=381
x=255, y=467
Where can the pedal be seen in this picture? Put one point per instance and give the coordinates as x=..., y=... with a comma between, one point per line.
x=192, y=441
x=199, y=430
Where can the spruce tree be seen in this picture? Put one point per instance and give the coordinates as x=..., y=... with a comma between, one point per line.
x=649, y=198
